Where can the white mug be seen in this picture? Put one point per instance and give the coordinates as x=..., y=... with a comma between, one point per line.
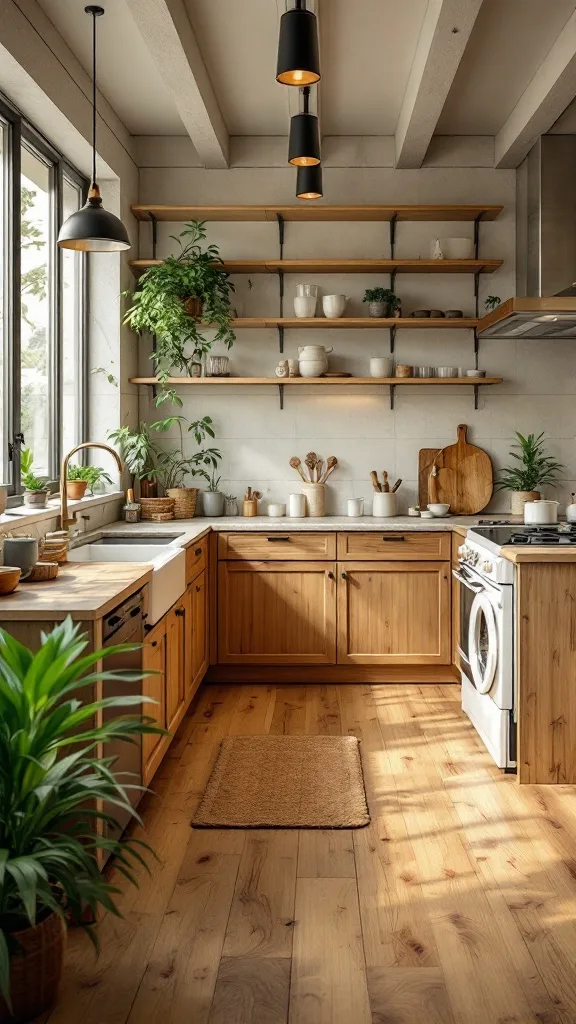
x=380, y=366
x=355, y=507
x=296, y=506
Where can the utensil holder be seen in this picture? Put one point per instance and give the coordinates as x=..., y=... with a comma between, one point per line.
x=384, y=504
x=315, y=495
x=250, y=507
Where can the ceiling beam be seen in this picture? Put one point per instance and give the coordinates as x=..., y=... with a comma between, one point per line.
x=445, y=32
x=293, y=104
x=546, y=96
x=168, y=34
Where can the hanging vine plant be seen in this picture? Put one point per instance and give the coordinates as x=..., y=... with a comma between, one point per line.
x=177, y=299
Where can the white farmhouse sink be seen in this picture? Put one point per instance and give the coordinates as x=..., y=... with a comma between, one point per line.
x=167, y=561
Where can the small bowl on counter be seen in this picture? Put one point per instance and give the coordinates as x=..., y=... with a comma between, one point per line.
x=438, y=509
x=9, y=578
x=276, y=510
x=426, y=514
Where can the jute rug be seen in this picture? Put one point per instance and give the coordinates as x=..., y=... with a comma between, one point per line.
x=285, y=782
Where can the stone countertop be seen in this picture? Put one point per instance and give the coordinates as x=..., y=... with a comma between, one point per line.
x=84, y=590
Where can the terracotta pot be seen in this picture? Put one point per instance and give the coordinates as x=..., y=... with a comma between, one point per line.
x=193, y=306
x=148, y=489
x=35, y=499
x=76, y=489
x=35, y=971
x=519, y=498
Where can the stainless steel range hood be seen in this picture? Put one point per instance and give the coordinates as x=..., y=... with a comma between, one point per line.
x=544, y=307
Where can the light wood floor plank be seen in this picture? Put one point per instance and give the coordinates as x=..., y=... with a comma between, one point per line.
x=323, y=711
x=253, y=712
x=262, y=912
x=251, y=991
x=289, y=715
x=409, y=995
x=328, y=970
x=326, y=853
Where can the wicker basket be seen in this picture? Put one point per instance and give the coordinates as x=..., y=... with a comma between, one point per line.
x=184, y=501
x=35, y=972
x=152, y=507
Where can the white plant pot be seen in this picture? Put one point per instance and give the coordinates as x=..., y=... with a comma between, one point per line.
x=333, y=306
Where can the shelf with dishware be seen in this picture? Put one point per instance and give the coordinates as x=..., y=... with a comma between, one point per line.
x=355, y=323
x=324, y=382
x=178, y=213
x=343, y=266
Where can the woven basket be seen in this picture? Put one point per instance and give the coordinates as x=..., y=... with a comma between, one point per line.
x=184, y=501
x=35, y=971
x=43, y=571
x=151, y=507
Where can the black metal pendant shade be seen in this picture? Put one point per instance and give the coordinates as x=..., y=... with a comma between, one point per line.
x=298, y=59
x=309, y=182
x=93, y=229
x=304, y=142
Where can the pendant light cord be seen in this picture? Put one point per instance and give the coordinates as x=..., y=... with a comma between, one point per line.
x=93, y=98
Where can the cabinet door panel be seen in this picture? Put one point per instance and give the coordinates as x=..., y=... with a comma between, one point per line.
x=199, y=621
x=174, y=663
x=277, y=613
x=394, y=613
x=154, y=660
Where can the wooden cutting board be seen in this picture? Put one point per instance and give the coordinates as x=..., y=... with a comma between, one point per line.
x=425, y=460
x=465, y=479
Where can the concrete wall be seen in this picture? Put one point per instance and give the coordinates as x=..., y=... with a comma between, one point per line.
x=357, y=425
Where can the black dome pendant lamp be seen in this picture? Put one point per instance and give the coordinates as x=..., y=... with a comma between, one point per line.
x=304, y=141
x=309, y=182
x=93, y=229
x=298, y=60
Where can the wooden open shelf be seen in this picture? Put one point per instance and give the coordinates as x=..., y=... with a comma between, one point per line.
x=354, y=322
x=315, y=266
x=439, y=382
x=176, y=213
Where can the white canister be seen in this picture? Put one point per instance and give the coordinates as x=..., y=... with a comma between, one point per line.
x=355, y=507
x=381, y=366
x=296, y=506
x=305, y=306
x=541, y=513
x=571, y=510
x=333, y=306
x=384, y=504
x=276, y=509
x=313, y=360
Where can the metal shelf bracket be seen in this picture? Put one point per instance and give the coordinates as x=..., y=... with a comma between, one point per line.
x=280, y=338
x=154, y=235
x=281, y=395
x=476, y=348
x=280, y=220
x=393, y=220
x=476, y=394
x=392, y=339
x=392, y=395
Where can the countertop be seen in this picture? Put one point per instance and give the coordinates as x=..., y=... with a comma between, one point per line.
x=85, y=590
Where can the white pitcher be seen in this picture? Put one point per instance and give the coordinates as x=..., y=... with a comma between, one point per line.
x=313, y=360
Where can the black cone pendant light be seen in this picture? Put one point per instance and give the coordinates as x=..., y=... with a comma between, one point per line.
x=93, y=229
x=298, y=60
x=309, y=182
x=304, y=142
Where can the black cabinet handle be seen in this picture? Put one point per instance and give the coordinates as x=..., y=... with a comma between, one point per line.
x=278, y=540
x=391, y=539
x=154, y=643
x=179, y=611
x=344, y=575
x=134, y=612
x=330, y=575
x=198, y=551
x=197, y=589
x=147, y=628
x=113, y=620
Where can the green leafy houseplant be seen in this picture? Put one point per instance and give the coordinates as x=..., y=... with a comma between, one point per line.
x=89, y=475
x=535, y=468
x=138, y=449
x=383, y=297
x=491, y=302
x=53, y=781
x=161, y=303
x=173, y=466
x=32, y=483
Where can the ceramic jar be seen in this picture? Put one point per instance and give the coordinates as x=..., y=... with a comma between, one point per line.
x=384, y=504
x=333, y=306
x=296, y=506
x=306, y=300
x=21, y=552
x=381, y=366
x=313, y=360
x=315, y=495
x=213, y=503
x=403, y=370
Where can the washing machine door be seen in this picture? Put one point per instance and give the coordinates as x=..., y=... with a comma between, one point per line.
x=483, y=642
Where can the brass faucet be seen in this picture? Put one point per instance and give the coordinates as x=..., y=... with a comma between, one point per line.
x=64, y=520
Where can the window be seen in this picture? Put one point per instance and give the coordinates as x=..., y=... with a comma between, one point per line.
x=42, y=303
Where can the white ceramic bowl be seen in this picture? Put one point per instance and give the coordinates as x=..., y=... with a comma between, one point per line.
x=333, y=306
x=426, y=515
x=439, y=509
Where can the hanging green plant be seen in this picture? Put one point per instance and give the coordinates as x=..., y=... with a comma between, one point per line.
x=177, y=299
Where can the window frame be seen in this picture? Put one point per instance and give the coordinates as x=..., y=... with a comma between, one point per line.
x=20, y=132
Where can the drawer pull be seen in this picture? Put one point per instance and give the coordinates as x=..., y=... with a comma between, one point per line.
x=392, y=539
x=179, y=611
x=278, y=540
x=330, y=575
x=197, y=589
x=198, y=551
x=154, y=643
x=344, y=575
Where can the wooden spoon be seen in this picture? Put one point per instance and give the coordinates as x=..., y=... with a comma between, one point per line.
x=296, y=464
x=385, y=485
x=310, y=461
x=331, y=463
x=375, y=480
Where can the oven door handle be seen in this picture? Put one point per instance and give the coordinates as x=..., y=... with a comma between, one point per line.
x=466, y=582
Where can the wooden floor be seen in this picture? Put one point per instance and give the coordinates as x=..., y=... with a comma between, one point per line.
x=456, y=906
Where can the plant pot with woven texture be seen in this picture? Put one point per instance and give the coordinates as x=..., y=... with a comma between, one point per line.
x=518, y=500
x=35, y=970
x=185, y=499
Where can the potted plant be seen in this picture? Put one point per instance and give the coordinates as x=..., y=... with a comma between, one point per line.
x=382, y=302
x=53, y=783
x=36, y=491
x=174, y=466
x=82, y=477
x=213, y=499
x=536, y=469
x=139, y=451
x=491, y=302
x=178, y=298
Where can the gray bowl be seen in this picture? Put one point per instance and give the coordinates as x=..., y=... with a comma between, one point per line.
x=420, y=314
x=453, y=314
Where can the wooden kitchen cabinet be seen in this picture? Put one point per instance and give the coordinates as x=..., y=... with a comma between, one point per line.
x=394, y=613
x=196, y=655
x=154, y=686
x=175, y=662
x=276, y=613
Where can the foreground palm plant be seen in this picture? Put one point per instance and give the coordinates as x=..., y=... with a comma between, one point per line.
x=53, y=784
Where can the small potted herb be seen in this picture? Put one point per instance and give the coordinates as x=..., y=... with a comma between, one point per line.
x=213, y=499
x=535, y=470
x=382, y=302
x=173, y=466
x=82, y=477
x=36, y=491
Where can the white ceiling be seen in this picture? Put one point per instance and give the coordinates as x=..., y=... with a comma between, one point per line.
x=367, y=50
